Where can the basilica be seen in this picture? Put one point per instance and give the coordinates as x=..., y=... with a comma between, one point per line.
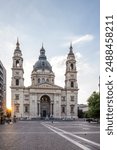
x=43, y=99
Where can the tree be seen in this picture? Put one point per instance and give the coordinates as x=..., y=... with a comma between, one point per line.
x=94, y=105
x=86, y=114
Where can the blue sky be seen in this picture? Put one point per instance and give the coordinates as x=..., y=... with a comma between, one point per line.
x=55, y=23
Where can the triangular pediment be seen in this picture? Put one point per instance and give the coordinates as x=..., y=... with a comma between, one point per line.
x=47, y=85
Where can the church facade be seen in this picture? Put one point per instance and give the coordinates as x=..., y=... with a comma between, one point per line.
x=43, y=98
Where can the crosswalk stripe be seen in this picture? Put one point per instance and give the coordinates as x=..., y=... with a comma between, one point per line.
x=86, y=140
x=67, y=138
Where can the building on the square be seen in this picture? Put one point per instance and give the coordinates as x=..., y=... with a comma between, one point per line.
x=43, y=98
x=83, y=107
x=2, y=91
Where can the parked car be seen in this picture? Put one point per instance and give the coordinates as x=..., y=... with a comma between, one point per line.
x=92, y=120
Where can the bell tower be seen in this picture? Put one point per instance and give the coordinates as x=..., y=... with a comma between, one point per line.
x=71, y=85
x=17, y=82
x=71, y=72
x=17, y=68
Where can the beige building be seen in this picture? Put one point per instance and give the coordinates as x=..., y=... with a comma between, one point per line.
x=43, y=98
x=83, y=107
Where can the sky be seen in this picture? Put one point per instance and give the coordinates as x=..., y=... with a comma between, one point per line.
x=56, y=24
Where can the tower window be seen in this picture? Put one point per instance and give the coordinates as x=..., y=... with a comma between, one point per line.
x=16, y=96
x=42, y=52
x=52, y=80
x=72, y=66
x=72, y=84
x=39, y=80
x=63, y=98
x=72, y=108
x=72, y=76
x=43, y=63
x=72, y=98
x=17, y=73
x=17, y=63
x=17, y=81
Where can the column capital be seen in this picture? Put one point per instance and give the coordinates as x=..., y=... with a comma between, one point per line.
x=38, y=101
x=52, y=102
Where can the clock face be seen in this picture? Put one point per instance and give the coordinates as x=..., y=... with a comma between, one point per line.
x=17, y=73
x=72, y=75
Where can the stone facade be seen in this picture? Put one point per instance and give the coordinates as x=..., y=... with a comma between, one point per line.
x=2, y=91
x=83, y=107
x=43, y=98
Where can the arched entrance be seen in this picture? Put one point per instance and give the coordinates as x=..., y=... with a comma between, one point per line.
x=45, y=106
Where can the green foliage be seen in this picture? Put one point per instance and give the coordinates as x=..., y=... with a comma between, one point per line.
x=94, y=105
x=86, y=114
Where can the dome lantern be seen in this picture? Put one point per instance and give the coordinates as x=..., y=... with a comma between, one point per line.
x=42, y=62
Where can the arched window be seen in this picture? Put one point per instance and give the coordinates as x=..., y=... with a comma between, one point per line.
x=43, y=64
x=72, y=66
x=47, y=80
x=63, y=109
x=17, y=63
x=17, y=81
x=52, y=80
x=26, y=109
x=72, y=84
x=72, y=108
x=39, y=80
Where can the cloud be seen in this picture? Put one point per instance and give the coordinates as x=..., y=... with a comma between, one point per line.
x=58, y=66
x=87, y=76
x=85, y=38
x=79, y=39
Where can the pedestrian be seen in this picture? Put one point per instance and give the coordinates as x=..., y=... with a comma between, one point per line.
x=52, y=119
x=14, y=119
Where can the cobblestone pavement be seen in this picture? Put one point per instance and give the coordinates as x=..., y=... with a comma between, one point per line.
x=38, y=135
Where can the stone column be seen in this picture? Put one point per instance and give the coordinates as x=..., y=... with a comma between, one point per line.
x=38, y=109
x=51, y=109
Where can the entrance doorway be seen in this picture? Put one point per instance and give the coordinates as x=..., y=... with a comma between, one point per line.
x=45, y=106
x=44, y=113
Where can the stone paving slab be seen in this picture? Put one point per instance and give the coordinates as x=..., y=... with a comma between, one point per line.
x=32, y=135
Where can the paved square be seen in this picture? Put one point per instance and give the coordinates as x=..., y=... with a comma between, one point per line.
x=45, y=135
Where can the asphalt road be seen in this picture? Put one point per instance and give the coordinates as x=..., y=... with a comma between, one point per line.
x=38, y=135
